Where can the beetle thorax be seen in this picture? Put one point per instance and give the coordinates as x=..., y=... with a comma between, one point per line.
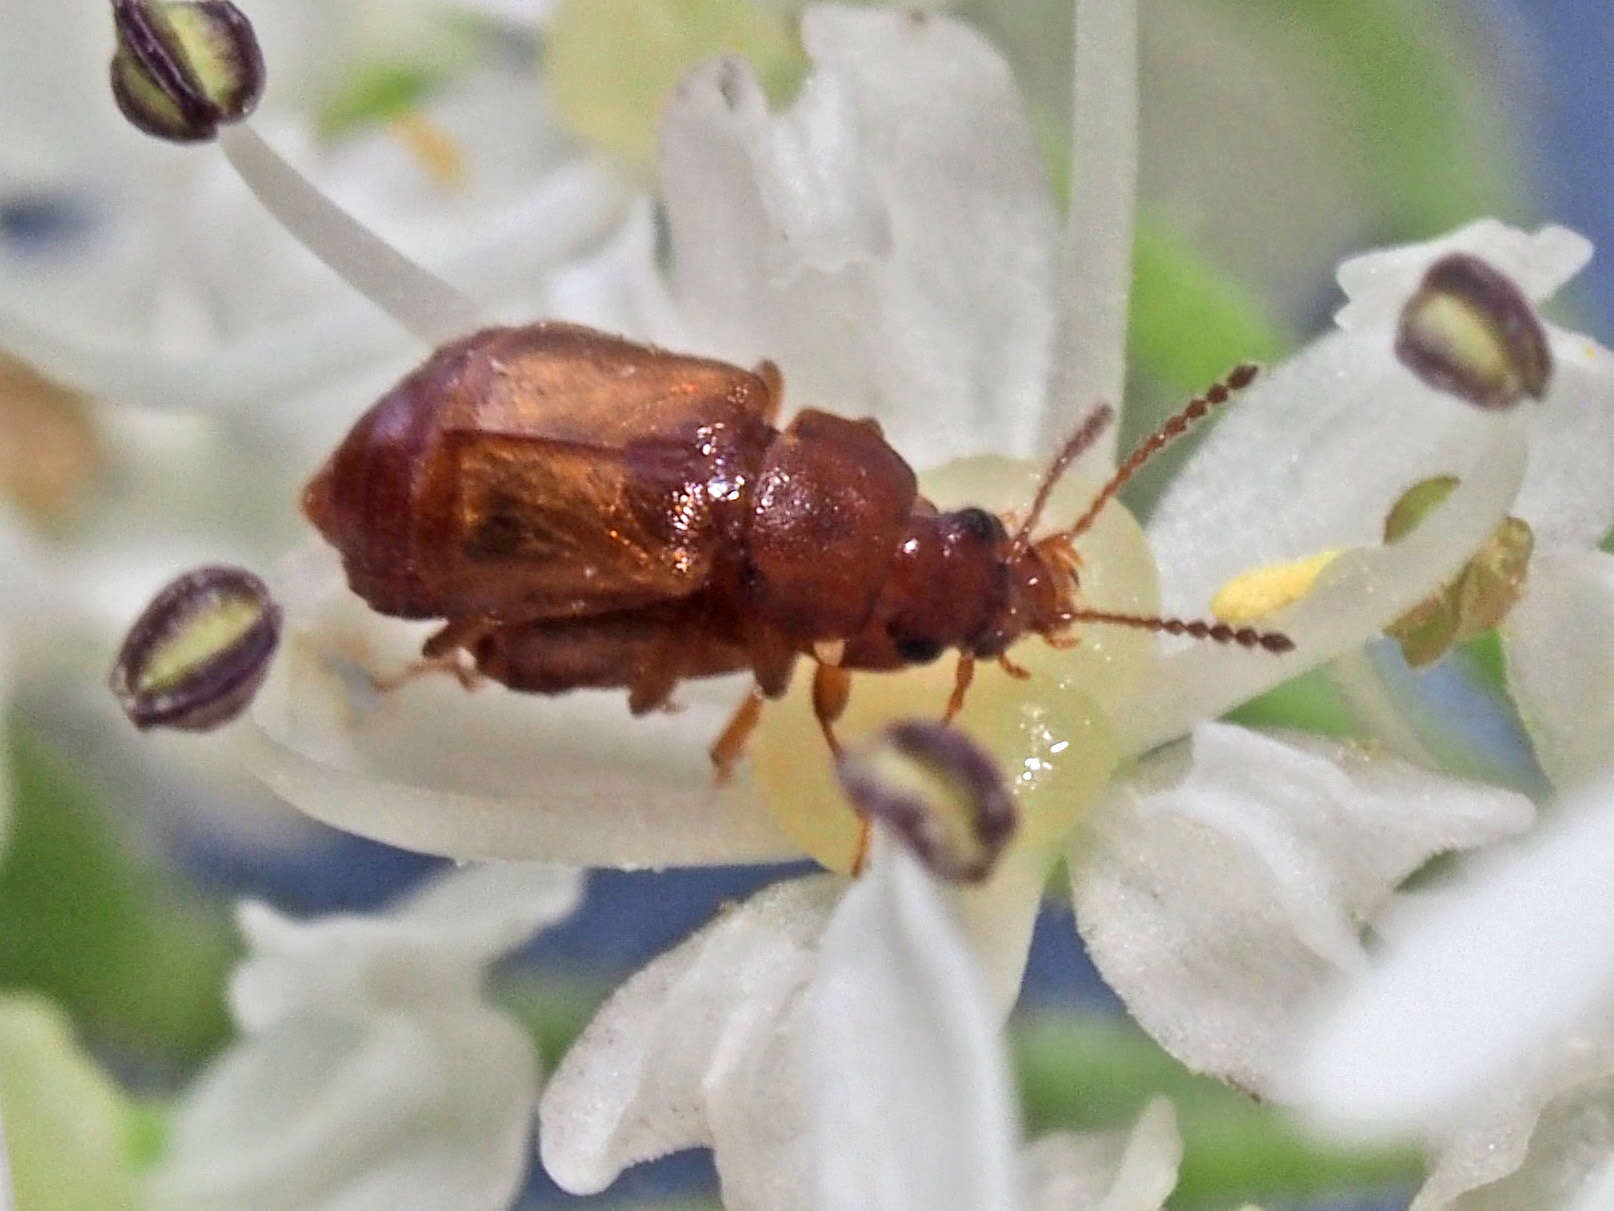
x=954, y=585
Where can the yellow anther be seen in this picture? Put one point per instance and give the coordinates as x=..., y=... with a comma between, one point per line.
x=1262, y=592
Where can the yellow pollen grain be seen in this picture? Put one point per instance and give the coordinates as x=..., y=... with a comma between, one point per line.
x=1262, y=592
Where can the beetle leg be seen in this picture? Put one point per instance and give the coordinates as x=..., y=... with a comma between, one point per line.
x=440, y=654
x=832, y=686
x=456, y=633
x=448, y=663
x=1062, y=643
x=963, y=674
x=655, y=680
x=771, y=377
x=1012, y=669
x=726, y=749
x=860, y=855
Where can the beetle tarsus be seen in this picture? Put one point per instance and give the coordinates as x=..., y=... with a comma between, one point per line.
x=860, y=855
x=1013, y=669
x=730, y=744
x=963, y=675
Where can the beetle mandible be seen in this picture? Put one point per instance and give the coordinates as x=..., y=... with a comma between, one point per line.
x=583, y=511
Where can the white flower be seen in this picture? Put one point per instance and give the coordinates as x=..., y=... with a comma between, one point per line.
x=1488, y=1025
x=171, y=287
x=1503, y=989
x=842, y=1050
x=371, y=1074
x=152, y=276
x=889, y=240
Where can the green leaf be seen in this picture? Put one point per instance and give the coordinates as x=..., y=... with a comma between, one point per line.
x=1189, y=323
x=553, y=1011
x=68, y=1128
x=1191, y=320
x=378, y=92
x=1308, y=702
x=1428, y=142
x=1096, y=1073
x=118, y=943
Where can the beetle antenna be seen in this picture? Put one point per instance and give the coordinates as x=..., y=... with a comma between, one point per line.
x=1196, y=628
x=1086, y=434
x=1195, y=410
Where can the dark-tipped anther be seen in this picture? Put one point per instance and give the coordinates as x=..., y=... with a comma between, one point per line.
x=183, y=68
x=940, y=792
x=1470, y=331
x=198, y=653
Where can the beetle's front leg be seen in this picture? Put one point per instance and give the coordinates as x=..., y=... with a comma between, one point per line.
x=832, y=687
x=963, y=676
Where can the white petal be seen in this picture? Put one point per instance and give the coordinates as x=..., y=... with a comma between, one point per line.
x=999, y=916
x=489, y=773
x=1598, y=1192
x=619, y=288
x=910, y=1090
x=1221, y=884
x=1532, y=1139
x=1568, y=497
x=322, y=1114
x=434, y=944
x=1379, y=282
x=1483, y=976
x=371, y=1075
x=1356, y=596
x=1559, y=662
x=1314, y=456
x=1107, y=1171
x=888, y=241
x=235, y=313
x=688, y=1052
x=1311, y=457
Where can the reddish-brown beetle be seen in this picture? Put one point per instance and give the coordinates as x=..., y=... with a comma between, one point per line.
x=582, y=511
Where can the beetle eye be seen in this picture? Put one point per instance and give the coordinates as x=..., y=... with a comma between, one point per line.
x=916, y=649
x=978, y=523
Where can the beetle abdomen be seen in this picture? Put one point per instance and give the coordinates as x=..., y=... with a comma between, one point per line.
x=363, y=500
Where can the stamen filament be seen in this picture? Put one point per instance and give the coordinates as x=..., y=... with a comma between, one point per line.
x=1090, y=342
x=416, y=298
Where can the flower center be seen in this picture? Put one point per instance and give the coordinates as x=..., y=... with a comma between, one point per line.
x=1050, y=733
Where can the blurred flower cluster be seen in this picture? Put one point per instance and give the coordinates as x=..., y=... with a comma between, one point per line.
x=230, y=979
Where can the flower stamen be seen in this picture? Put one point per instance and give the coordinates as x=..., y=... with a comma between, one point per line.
x=938, y=791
